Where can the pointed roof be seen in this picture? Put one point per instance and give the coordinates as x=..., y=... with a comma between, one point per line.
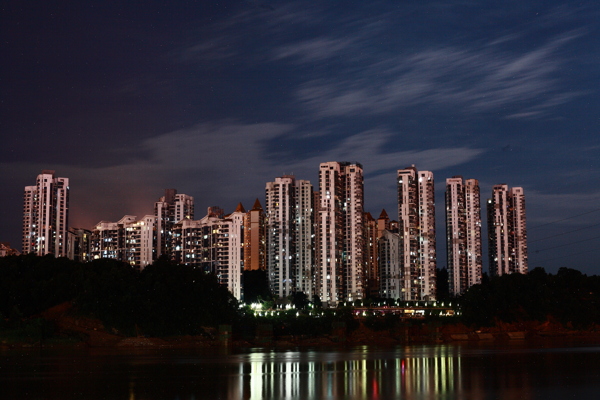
x=383, y=215
x=257, y=206
x=368, y=216
x=240, y=208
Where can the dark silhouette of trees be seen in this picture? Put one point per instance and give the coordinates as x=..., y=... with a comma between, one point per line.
x=256, y=286
x=570, y=297
x=300, y=300
x=441, y=281
x=170, y=299
x=31, y=284
x=109, y=291
x=164, y=299
x=178, y=299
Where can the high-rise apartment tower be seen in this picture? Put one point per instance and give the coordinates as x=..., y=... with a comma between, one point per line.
x=289, y=232
x=463, y=234
x=507, y=231
x=341, y=264
x=416, y=227
x=46, y=216
x=168, y=210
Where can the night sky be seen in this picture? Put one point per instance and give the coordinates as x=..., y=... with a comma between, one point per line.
x=217, y=99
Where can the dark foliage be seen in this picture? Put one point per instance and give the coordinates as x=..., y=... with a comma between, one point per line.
x=317, y=301
x=569, y=296
x=300, y=300
x=256, y=286
x=441, y=281
x=165, y=299
x=177, y=300
x=31, y=284
x=109, y=291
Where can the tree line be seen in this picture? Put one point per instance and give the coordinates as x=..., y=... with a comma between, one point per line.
x=568, y=297
x=167, y=299
x=162, y=300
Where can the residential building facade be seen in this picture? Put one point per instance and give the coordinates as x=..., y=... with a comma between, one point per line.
x=255, y=239
x=416, y=223
x=463, y=234
x=128, y=240
x=289, y=234
x=507, y=231
x=168, y=210
x=46, y=216
x=340, y=261
x=390, y=266
x=79, y=244
x=214, y=244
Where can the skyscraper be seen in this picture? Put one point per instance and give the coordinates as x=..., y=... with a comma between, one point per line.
x=463, y=233
x=230, y=251
x=416, y=224
x=289, y=231
x=304, y=232
x=169, y=209
x=341, y=264
x=46, y=216
x=507, y=231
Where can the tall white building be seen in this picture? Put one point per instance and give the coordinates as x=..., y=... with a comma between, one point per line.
x=46, y=216
x=231, y=259
x=507, y=231
x=416, y=224
x=169, y=209
x=305, y=234
x=463, y=234
x=340, y=259
x=289, y=233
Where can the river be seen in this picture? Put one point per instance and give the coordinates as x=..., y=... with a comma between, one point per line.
x=484, y=371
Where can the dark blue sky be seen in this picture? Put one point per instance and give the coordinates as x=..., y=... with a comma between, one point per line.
x=217, y=99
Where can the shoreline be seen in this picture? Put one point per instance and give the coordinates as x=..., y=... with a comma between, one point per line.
x=423, y=334
x=73, y=331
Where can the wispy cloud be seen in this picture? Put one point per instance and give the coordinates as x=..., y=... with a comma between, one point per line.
x=370, y=147
x=464, y=79
x=314, y=49
x=217, y=48
x=257, y=26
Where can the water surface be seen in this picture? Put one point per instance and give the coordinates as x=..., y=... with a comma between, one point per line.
x=407, y=372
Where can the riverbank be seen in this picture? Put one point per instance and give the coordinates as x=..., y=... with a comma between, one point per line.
x=73, y=331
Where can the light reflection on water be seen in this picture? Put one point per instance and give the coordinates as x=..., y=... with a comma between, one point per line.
x=362, y=373
x=412, y=372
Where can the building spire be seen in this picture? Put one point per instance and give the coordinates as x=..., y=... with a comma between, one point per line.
x=257, y=206
x=240, y=208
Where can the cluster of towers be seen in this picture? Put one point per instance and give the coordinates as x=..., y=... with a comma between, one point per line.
x=320, y=242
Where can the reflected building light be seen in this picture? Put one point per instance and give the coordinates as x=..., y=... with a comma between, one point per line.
x=408, y=373
x=256, y=377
